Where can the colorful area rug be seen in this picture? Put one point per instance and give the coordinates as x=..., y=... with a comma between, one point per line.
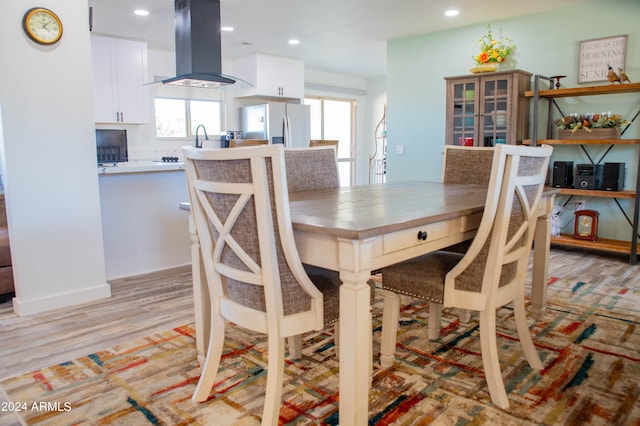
x=587, y=339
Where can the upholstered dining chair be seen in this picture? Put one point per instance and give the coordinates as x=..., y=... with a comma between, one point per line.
x=311, y=169
x=323, y=142
x=467, y=164
x=236, y=143
x=240, y=206
x=490, y=274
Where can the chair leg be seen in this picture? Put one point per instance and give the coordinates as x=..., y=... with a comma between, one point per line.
x=464, y=315
x=490, y=361
x=434, y=326
x=275, y=374
x=295, y=346
x=524, y=334
x=390, y=318
x=212, y=361
x=336, y=339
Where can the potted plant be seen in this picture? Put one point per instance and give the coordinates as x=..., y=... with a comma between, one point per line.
x=492, y=52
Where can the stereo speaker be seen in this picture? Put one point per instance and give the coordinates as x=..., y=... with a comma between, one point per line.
x=613, y=176
x=589, y=176
x=562, y=174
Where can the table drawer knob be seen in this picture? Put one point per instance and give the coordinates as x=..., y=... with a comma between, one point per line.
x=422, y=235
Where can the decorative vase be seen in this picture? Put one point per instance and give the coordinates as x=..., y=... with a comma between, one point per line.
x=486, y=67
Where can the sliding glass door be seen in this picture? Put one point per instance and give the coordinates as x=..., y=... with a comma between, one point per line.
x=333, y=118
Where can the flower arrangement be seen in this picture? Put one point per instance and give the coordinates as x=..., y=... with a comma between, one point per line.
x=492, y=50
x=575, y=122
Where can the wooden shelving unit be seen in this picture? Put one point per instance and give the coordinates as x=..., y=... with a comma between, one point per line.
x=603, y=244
x=627, y=194
x=585, y=91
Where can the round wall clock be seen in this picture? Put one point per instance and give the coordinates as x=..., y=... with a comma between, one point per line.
x=42, y=25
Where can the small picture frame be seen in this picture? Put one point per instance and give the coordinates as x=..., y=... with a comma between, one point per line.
x=596, y=55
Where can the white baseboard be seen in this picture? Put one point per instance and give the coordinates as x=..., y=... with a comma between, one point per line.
x=60, y=300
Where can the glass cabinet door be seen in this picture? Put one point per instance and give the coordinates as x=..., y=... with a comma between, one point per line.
x=464, y=113
x=488, y=108
x=495, y=112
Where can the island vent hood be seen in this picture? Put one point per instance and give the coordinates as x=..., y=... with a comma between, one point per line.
x=198, y=45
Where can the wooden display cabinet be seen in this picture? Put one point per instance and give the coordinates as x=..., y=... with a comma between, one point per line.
x=488, y=108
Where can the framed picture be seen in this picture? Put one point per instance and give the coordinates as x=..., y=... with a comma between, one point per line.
x=597, y=55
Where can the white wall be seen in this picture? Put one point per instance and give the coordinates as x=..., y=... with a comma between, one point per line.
x=47, y=147
x=144, y=231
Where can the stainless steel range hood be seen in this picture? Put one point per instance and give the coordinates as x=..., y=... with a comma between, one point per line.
x=198, y=45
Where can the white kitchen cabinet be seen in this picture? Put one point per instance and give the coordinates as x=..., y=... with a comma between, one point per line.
x=271, y=76
x=119, y=75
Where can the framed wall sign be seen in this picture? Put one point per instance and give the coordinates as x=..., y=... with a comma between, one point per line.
x=597, y=55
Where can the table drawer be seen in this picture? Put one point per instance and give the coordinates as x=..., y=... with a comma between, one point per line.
x=410, y=237
x=471, y=222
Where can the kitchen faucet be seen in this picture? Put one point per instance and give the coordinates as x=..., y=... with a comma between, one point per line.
x=206, y=137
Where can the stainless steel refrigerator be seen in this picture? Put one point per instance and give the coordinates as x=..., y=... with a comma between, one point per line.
x=277, y=122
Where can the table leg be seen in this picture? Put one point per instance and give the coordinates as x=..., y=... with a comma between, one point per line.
x=540, y=273
x=201, y=299
x=355, y=331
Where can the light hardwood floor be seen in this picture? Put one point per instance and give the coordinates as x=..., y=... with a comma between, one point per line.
x=144, y=304
x=138, y=307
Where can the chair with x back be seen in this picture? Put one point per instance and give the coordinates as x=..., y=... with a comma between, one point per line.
x=466, y=164
x=490, y=274
x=240, y=206
x=310, y=169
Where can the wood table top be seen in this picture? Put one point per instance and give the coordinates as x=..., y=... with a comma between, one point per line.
x=359, y=212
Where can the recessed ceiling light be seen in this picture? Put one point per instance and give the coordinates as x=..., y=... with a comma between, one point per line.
x=294, y=41
x=141, y=12
x=452, y=12
x=226, y=28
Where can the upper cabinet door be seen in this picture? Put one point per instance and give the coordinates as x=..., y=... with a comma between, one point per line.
x=271, y=76
x=119, y=75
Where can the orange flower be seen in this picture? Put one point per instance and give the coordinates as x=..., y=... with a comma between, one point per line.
x=483, y=57
x=491, y=49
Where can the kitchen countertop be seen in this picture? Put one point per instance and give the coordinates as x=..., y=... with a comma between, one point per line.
x=139, y=167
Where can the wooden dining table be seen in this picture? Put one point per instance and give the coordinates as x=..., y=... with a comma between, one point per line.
x=360, y=229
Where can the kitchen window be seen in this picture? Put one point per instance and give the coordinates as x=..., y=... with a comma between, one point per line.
x=178, y=118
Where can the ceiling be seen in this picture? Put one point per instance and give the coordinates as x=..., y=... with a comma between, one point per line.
x=343, y=36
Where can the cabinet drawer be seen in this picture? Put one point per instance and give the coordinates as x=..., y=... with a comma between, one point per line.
x=409, y=237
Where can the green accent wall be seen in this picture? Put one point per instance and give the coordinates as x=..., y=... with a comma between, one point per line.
x=547, y=44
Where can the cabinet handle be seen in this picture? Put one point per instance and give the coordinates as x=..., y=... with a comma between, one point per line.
x=121, y=117
x=422, y=235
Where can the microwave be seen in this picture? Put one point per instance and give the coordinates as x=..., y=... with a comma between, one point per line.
x=111, y=146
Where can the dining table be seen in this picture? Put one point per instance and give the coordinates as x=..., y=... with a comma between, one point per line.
x=358, y=230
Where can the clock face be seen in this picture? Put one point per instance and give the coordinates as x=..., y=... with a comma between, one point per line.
x=42, y=25
x=585, y=225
